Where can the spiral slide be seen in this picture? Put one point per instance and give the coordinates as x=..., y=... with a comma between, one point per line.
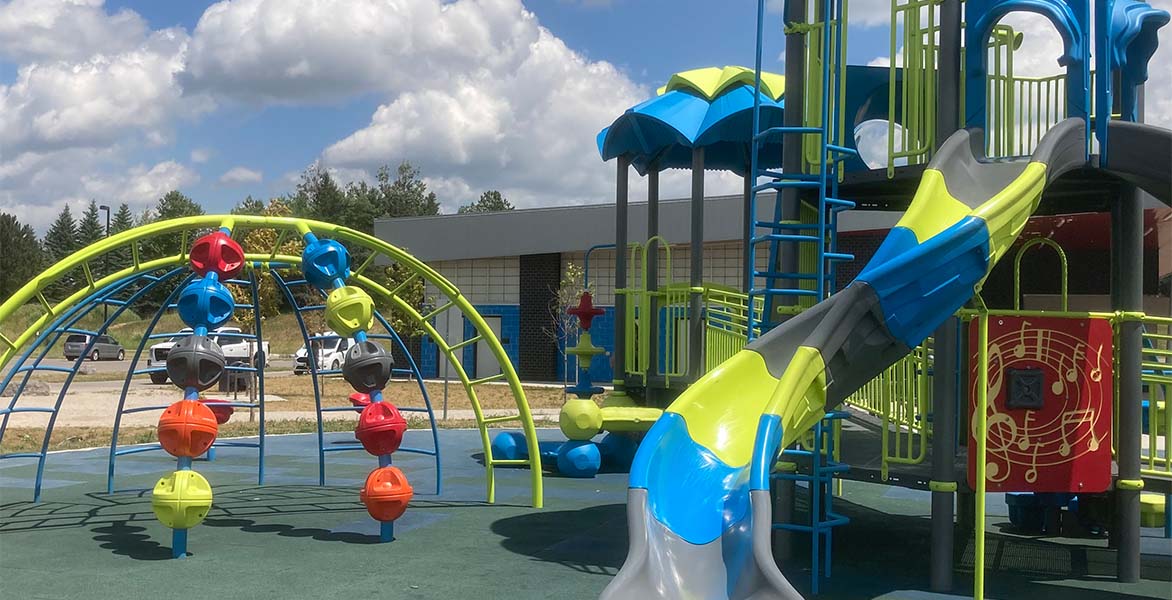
x=699, y=511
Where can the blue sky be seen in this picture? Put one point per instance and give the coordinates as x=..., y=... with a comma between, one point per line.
x=123, y=99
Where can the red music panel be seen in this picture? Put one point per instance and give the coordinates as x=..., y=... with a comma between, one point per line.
x=1050, y=405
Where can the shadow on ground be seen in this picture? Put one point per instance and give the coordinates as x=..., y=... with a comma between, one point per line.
x=589, y=540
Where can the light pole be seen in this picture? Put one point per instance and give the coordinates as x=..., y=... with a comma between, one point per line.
x=106, y=260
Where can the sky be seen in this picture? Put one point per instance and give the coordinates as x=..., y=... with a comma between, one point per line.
x=122, y=100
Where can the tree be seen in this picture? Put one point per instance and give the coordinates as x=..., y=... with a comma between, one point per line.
x=60, y=242
x=562, y=325
x=123, y=220
x=407, y=195
x=90, y=228
x=262, y=240
x=249, y=206
x=490, y=201
x=172, y=205
x=21, y=256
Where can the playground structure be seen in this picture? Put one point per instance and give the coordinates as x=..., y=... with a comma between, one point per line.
x=305, y=260
x=1050, y=402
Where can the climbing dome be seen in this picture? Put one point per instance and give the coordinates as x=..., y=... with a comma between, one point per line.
x=203, y=261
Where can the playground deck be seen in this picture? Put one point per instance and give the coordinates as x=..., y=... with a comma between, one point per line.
x=293, y=539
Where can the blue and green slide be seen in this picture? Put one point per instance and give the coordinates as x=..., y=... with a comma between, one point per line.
x=699, y=511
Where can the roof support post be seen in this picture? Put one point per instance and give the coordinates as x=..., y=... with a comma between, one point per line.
x=948, y=100
x=695, y=312
x=747, y=233
x=620, y=273
x=1127, y=267
x=652, y=267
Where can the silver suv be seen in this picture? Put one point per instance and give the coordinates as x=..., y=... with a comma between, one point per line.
x=105, y=348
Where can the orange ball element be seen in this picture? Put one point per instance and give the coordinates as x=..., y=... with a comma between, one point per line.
x=386, y=494
x=217, y=252
x=187, y=428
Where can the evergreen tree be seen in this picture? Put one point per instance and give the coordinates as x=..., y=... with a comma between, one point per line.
x=172, y=205
x=407, y=195
x=123, y=219
x=490, y=201
x=21, y=256
x=324, y=200
x=249, y=206
x=90, y=228
x=60, y=242
x=61, y=239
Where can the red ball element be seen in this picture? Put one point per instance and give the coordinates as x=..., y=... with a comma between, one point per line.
x=386, y=493
x=217, y=252
x=219, y=408
x=360, y=401
x=586, y=311
x=187, y=428
x=380, y=428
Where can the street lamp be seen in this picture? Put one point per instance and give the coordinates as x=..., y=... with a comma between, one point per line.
x=106, y=261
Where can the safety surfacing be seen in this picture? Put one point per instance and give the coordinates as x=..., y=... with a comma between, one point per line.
x=292, y=538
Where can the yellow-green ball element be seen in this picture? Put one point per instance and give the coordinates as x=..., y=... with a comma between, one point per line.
x=182, y=499
x=349, y=309
x=580, y=419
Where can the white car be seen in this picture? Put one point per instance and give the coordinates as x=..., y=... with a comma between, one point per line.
x=331, y=353
x=236, y=349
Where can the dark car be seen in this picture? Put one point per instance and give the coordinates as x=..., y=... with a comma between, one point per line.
x=105, y=348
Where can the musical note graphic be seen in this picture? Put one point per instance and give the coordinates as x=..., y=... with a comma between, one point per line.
x=1019, y=350
x=1096, y=374
x=1075, y=418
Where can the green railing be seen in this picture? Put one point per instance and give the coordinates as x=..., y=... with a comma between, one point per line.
x=812, y=111
x=1155, y=460
x=726, y=323
x=901, y=398
x=914, y=32
x=670, y=301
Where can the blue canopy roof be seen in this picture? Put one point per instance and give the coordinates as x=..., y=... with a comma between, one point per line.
x=665, y=129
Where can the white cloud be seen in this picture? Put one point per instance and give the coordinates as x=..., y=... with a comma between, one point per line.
x=240, y=176
x=140, y=185
x=65, y=30
x=200, y=155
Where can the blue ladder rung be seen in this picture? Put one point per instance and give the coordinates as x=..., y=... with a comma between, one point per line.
x=786, y=237
x=791, y=176
x=21, y=455
x=240, y=369
x=139, y=409
x=789, y=292
x=24, y=409
x=790, y=226
x=342, y=409
x=44, y=368
x=402, y=372
x=318, y=338
x=786, y=130
x=137, y=450
x=412, y=409
x=779, y=185
x=150, y=370
x=838, y=256
x=780, y=275
x=236, y=445
x=842, y=149
x=157, y=336
x=314, y=307
x=113, y=302
x=296, y=282
x=840, y=202
x=77, y=330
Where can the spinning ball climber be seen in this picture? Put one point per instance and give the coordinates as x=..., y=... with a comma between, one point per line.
x=350, y=312
x=188, y=428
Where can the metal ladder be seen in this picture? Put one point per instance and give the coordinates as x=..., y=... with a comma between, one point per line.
x=819, y=234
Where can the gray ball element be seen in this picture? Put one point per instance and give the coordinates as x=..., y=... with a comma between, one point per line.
x=368, y=367
x=195, y=361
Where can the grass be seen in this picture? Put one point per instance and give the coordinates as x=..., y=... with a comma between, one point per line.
x=298, y=393
x=29, y=439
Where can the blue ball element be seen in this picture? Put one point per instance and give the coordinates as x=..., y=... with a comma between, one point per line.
x=618, y=451
x=205, y=302
x=579, y=458
x=323, y=261
x=509, y=445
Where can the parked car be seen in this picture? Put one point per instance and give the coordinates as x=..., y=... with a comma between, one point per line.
x=237, y=349
x=331, y=353
x=106, y=348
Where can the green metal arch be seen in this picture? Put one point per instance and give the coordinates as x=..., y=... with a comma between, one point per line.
x=185, y=227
